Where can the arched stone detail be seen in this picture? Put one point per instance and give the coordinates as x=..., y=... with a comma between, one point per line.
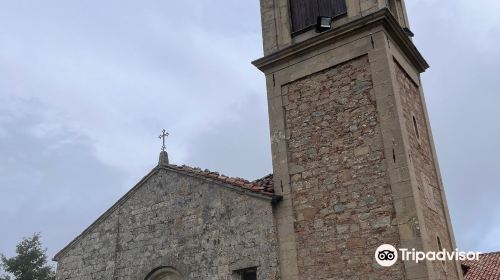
x=164, y=273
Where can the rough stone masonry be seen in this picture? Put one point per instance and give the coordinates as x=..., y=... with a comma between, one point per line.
x=342, y=199
x=203, y=228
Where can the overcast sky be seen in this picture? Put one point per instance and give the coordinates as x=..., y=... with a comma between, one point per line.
x=87, y=86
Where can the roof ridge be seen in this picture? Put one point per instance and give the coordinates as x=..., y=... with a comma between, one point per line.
x=268, y=176
x=263, y=185
x=490, y=253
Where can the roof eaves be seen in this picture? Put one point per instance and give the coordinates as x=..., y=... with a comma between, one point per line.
x=237, y=188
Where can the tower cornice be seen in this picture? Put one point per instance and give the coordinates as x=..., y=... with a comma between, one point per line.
x=382, y=17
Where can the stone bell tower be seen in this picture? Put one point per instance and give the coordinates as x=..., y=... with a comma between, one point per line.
x=353, y=154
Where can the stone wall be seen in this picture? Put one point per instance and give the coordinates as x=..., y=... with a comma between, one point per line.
x=204, y=230
x=341, y=194
x=422, y=159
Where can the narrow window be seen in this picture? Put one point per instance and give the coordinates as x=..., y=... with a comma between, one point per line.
x=247, y=274
x=415, y=125
x=440, y=248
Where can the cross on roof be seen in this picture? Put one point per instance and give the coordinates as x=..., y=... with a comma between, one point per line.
x=164, y=134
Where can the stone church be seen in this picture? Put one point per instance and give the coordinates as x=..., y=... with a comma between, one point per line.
x=353, y=159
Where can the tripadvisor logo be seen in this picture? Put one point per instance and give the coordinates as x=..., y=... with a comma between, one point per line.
x=387, y=255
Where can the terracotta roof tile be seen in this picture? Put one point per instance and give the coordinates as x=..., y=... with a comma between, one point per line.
x=487, y=268
x=263, y=185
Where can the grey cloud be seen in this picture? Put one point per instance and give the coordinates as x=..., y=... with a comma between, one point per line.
x=86, y=87
x=49, y=181
x=242, y=139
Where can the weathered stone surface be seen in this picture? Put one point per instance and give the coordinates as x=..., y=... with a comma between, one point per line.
x=204, y=230
x=422, y=159
x=335, y=138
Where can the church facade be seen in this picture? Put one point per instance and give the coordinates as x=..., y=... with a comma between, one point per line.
x=179, y=223
x=354, y=167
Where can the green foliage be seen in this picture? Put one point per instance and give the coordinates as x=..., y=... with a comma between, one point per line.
x=30, y=263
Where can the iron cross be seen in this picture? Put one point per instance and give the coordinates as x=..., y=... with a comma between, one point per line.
x=164, y=134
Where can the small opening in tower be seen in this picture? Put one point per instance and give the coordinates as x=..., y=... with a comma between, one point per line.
x=440, y=247
x=415, y=125
x=247, y=274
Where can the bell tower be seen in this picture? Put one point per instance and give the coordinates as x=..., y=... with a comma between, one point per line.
x=353, y=154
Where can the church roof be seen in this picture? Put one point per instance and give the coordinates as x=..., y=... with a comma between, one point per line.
x=261, y=187
x=486, y=268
